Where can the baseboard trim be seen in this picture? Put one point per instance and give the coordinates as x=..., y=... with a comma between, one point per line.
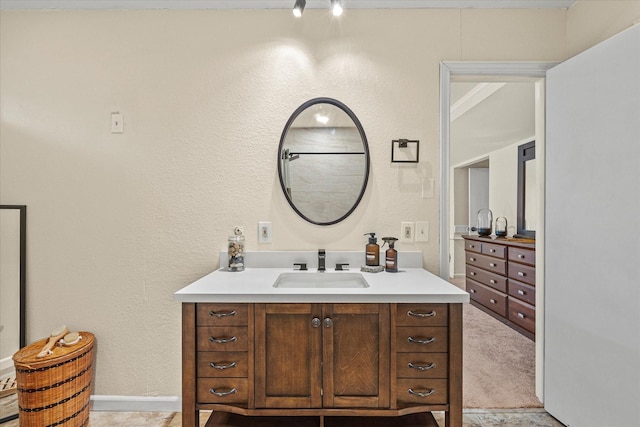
x=136, y=403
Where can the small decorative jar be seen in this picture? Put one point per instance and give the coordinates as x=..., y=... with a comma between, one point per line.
x=236, y=250
x=485, y=222
x=501, y=226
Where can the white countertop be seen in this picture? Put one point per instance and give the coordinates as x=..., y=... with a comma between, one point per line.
x=256, y=285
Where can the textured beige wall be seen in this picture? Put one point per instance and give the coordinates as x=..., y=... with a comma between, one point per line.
x=117, y=223
x=591, y=21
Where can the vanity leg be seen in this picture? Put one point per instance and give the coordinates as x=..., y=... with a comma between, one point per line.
x=453, y=417
x=190, y=415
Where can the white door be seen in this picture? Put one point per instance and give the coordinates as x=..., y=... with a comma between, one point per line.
x=478, y=193
x=592, y=236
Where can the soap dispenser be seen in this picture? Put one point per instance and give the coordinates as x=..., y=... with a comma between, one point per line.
x=372, y=251
x=391, y=255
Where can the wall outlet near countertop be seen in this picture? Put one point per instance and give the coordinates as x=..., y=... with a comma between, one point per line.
x=264, y=232
x=406, y=231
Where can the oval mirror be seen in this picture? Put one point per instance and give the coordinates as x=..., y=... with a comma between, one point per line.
x=323, y=161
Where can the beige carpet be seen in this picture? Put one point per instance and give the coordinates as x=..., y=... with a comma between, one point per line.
x=498, y=364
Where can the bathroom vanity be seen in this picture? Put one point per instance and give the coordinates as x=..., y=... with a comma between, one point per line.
x=390, y=349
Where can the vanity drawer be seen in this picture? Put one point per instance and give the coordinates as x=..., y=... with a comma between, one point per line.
x=522, y=291
x=218, y=364
x=488, y=263
x=470, y=245
x=522, y=273
x=422, y=315
x=223, y=390
x=222, y=314
x=491, y=249
x=424, y=391
x=525, y=256
x=522, y=314
x=411, y=339
x=422, y=365
x=222, y=338
x=488, y=297
x=493, y=280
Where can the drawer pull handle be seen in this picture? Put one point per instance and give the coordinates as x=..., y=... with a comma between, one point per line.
x=421, y=393
x=492, y=250
x=520, y=292
x=422, y=367
x=520, y=315
x=472, y=259
x=223, y=367
x=223, y=393
x=472, y=273
x=492, y=264
x=214, y=314
x=472, y=246
x=521, y=256
x=492, y=301
x=473, y=291
x=223, y=340
x=421, y=341
x=430, y=314
x=520, y=273
x=493, y=282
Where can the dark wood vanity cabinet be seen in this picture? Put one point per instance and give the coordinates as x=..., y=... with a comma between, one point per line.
x=322, y=360
x=501, y=279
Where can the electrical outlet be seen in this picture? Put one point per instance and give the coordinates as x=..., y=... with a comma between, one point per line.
x=422, y=231
x=406, y=231
x=264, y=232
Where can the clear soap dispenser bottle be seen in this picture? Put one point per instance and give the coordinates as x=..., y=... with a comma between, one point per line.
x=372, y=251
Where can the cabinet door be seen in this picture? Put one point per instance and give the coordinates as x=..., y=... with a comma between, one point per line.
x=356, y=355
x=288, y=356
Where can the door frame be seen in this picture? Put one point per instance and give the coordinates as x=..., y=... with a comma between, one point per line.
x=486, y=71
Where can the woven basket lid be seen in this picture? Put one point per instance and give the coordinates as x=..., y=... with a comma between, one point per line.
x=26, y=356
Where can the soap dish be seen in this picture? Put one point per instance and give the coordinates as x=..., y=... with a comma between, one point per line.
x=372, y=268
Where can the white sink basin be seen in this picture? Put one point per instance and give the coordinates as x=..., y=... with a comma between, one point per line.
x=320, y=280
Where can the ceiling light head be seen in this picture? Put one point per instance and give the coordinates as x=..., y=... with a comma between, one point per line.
x=298, y=8
x=336, y=7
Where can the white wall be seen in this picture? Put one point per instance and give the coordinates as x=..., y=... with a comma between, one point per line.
x=117, y=223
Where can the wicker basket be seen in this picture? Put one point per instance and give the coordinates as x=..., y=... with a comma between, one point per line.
x=55, y=390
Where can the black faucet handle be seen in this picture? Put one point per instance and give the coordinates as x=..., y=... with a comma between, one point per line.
x=302, y=265
x=340, y=265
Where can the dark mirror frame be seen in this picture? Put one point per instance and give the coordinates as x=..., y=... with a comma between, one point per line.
x=365, y=146
x=23, y=281
x=525, y=152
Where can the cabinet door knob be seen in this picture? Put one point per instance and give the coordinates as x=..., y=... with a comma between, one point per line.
x=521, y=256
x=492, y=281
x=222, y=340
x=521, y=274
x=222, y=367
x=412, y=314
x=214, y=314
x=328, y=322
x=520, y=292
x=492, y=250
x=472, y=273
x=473, y=291
x=421, y=393
x=421, y=367
x=223, y=393
x=472, y=259
x=315, y=322
x=421, y=341
x=492, y=301
x=492, y=264
x=520, y=315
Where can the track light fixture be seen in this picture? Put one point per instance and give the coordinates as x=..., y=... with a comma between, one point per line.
x=336, y=7
x=298, y=8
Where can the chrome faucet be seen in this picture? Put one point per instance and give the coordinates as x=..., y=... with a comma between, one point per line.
x=321, y=258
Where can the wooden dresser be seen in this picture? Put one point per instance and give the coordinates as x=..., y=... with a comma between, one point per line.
x=501, y=279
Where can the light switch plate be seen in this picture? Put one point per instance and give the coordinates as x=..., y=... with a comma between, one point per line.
x=264, y=232
x=422, y=231
x=406, y=231
x=117, y=125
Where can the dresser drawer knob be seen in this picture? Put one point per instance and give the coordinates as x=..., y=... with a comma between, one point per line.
x=421, y=393
x=492, y=301
x=521, y=274
x=472, y=273
x=521, y=315
x=222, y=367
x=492, y=250
x=520, y=292
x=421, y=341
x=492, y=264
x=412, y=314
x=222, y=340
x=493, y=282
x=472, y=259
x=521, y=256
x=223, y=393
x=473, y=291
x=214, y=314
x=421, y=367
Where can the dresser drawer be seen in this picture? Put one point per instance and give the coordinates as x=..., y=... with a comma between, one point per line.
x=522, y=291
x=413, y=339
x=488, y=297
x=218, y=364
x=522, y=273
x=486, y=262
x=422, y=391
x=525, y=256
x=522, y=314
x=422, y=315
x=222, y=314
x=493, y=280
x=222, y=338
x=223, y=390
x=422, y=365
x=491, y=249
x=473, y=246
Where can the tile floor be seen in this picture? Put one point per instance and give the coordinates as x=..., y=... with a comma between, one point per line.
x=472, y=418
